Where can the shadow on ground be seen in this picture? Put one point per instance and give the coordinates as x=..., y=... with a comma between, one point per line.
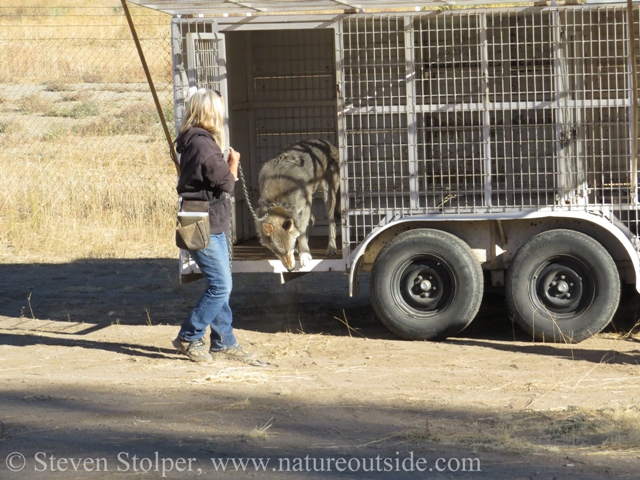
x=147, y=292
x=195, y=425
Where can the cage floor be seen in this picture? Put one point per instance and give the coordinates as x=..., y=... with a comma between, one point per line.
x=252, y=250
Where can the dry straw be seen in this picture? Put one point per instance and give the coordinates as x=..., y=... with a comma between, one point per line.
x=260, y=432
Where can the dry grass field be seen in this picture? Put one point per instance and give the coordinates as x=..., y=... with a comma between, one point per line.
x=86, y=167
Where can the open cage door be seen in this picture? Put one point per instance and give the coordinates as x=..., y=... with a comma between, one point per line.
x=199, y=62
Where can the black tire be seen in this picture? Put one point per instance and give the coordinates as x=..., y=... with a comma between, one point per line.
x=562, y=286
x=426, y=285
x=628, y=314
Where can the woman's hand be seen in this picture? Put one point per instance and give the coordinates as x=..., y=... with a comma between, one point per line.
x=233, y=161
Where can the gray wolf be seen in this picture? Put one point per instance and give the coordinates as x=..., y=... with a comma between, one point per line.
x=287, y=184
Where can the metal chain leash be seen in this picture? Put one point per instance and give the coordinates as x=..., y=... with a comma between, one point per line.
x=253, y=214
x=246, y=196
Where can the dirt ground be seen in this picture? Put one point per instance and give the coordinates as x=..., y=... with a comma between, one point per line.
x=91, y=388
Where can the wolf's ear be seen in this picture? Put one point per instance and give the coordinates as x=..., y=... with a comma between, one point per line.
x=267, y=228
x=287, y=225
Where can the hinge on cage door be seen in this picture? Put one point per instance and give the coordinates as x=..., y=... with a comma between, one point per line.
x=184, y=80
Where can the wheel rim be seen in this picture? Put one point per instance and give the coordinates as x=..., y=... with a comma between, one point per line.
x=424, y=285
x=563, y=286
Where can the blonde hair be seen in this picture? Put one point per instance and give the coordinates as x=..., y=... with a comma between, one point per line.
x=205, y=109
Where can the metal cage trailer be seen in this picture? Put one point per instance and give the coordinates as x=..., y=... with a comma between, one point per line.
x=493, y=146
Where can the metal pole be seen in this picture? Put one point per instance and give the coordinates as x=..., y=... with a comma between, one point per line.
x=634, y=103
x=134, y=34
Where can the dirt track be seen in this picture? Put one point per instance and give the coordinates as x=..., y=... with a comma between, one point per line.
x=93, y=376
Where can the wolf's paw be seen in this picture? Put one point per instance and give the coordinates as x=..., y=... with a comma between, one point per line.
x=332, y=251
x=305, y=259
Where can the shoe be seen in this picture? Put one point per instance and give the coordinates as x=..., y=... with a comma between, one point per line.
x=236, y=352
x=195, y=350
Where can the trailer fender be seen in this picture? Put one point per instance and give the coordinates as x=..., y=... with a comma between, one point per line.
x=383, y=234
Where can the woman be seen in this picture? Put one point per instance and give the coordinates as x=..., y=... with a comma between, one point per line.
x=205, y=175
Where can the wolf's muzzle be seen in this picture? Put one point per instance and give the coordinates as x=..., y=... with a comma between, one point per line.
x=288, y=260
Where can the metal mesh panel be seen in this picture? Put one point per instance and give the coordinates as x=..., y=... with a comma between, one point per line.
x=86, y=166
x=523, y=146
x=522, y=120
x=377, y=133
x=451, y=162
x=598, y=71
x=448, y=59
x=375, y=64
x=206, y=65
x=520, y=56
x=489, y=111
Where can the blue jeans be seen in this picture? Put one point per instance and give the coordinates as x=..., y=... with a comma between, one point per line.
x=212, y=310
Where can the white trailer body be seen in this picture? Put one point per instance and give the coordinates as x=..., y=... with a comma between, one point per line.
x=493, y=126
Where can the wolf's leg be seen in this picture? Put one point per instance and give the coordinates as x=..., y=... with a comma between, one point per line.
x=312, y=222
x=330, y=208
x=303, y=243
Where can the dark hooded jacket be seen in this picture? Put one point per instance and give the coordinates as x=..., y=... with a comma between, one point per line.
x=205, y=175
